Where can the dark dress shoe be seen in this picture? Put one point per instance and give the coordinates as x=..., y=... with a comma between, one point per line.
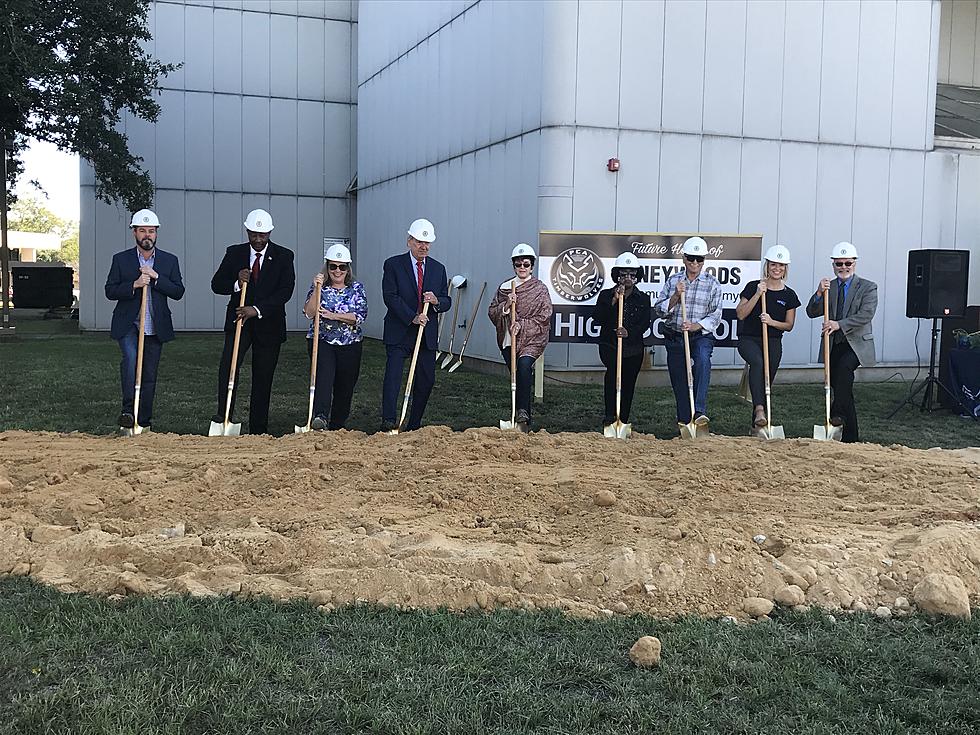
x=126, y=420
x=319, y=423
x=522, y=417
x=387, y=425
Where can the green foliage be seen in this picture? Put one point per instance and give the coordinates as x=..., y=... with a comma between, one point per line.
x=28, y=214
x=67, y=71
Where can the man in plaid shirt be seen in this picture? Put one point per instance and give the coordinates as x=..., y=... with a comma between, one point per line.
x=702, y=295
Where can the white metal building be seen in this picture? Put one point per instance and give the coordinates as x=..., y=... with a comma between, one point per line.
x=808, y=121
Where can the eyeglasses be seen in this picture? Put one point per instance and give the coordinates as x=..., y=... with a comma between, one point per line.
x=338, y=266
x=694, y=258
x=627, y=274
x=523, y=264
x=843, y=263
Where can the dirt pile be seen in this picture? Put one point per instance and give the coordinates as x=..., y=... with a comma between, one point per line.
x=486, y=519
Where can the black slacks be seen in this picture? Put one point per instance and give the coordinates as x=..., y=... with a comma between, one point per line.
x=843, y=363
x=631, y=369
x=265, y=357
x=337, y=370
x=750, y=348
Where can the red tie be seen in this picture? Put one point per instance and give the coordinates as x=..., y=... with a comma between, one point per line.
x=418, y=267
x=255, y=268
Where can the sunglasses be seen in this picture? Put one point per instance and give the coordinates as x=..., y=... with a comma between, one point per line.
x=694, y=258
x=843, y=263
x=338, y=266
x=523, y=264
x=627, y=274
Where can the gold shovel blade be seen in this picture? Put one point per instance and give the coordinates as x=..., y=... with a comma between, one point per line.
x=508, y=425
x=448, y=359
x=688, y=431
x=224, y=429
x=301, y=429
x=617, y=430
x=456, y=365
x=772, y=432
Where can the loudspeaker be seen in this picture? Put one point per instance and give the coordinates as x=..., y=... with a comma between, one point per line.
x=937, y=285
x=969, y=322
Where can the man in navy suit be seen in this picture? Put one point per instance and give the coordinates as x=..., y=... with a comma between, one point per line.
x=268, y=270
x=145, y=266
x=410, y=280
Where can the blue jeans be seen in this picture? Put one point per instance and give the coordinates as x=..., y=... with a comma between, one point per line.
x=702, y=346
x=152, y=348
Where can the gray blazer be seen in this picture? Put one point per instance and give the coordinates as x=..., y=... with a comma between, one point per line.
x=855, y=322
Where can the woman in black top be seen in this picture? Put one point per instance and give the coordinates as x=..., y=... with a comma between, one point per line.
x=636, y=321
x=781, y=305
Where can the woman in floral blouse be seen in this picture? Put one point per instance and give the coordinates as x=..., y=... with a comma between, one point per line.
x=343, y=309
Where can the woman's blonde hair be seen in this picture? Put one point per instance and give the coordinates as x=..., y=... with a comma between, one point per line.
x=325, y=272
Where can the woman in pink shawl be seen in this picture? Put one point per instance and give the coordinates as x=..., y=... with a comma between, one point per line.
x=531, y=304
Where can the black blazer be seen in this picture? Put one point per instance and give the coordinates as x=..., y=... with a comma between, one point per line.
x=636, y=319
x=124, y=270
x=275, y=287
x=399, y=287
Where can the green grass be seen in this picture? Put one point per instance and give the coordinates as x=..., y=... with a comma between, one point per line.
x=72, y=384
x=76, y=664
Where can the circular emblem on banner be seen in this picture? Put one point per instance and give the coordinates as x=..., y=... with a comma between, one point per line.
x=577, y=274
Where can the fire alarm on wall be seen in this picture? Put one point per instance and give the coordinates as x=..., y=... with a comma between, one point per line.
x=613, y=164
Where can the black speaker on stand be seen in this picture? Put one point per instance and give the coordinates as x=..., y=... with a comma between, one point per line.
x=937, y=289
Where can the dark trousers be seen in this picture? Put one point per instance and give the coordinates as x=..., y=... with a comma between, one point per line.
x=265, y=356
x=425, y=377
x=843, y=363
x=631, y=369
x=750, y=348
x=702, y=345
x=152, y=347
x=525, y=378
x=337, y=370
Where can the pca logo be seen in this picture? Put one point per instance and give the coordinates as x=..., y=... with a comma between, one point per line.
x=577, y=274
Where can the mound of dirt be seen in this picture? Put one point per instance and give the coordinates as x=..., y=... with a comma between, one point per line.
x=486, y=519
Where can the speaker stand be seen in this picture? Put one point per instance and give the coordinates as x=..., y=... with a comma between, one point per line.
x=926, y=386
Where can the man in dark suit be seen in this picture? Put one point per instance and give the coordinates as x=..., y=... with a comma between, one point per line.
x=410, y=280
x=132, y=270
x=853, y=302
x=267, y=268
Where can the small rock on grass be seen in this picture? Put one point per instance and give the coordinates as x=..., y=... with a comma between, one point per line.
x=942, y=594
x=757, y=606
x=791, y=595
x=883, y=611
x=646, y=652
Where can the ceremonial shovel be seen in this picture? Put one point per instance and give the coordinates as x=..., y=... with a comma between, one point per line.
x=456, y=282
x=512, y=424
x=316, y=342
x=770, y=431
x=137, y=429
x=411, y=372
x=469, y=329
x=227, y=428
x=690, y=430
x=617, y=429
x=827, y=432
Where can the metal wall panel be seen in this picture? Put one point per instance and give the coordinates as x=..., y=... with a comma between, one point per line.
x=759, y=190
x=636, y=198
x=724, y=67
x=764, y=29
x=968, y=218
x=801, y=69
x=226, y=41
x=170, y=140
x=198, y=49
x=256, y=64
x=963, y=42
x=282, y=142
x=876, y=72
x=255, y=144
x=170, y=209
x=283, y=62
x=598, y=63
x=680, y=183
x=310, y=142
x=870, y=227
x=683, y=76
x=939, y=200
x=912, y=94
x=199, y=141
x=337, y=60
x=168, y=36
x=721, y=161
x=227, y=152
x=641, y=75
x=839, y=71
x=198, y=256
x=594, y=207
x=311, y=53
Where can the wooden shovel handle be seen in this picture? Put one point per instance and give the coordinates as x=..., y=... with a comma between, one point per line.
x=139, y=342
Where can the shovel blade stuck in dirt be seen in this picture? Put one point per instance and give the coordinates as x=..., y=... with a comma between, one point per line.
x=827, y=432
x=772, y=432
x=224, y=428
x=617, y=430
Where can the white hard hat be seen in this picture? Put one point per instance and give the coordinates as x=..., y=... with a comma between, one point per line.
x=422, y=230
x=695, y=246
x=844, y=250
x=626, y=260
x=522, y=250
x=778, y=254
x=338, y=253
x=258, y=220
x=145, y=218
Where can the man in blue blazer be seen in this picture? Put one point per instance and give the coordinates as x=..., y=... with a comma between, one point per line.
x=132, y=270
x=410, y=280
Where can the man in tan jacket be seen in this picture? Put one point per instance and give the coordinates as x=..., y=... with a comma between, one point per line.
x=853, y=301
